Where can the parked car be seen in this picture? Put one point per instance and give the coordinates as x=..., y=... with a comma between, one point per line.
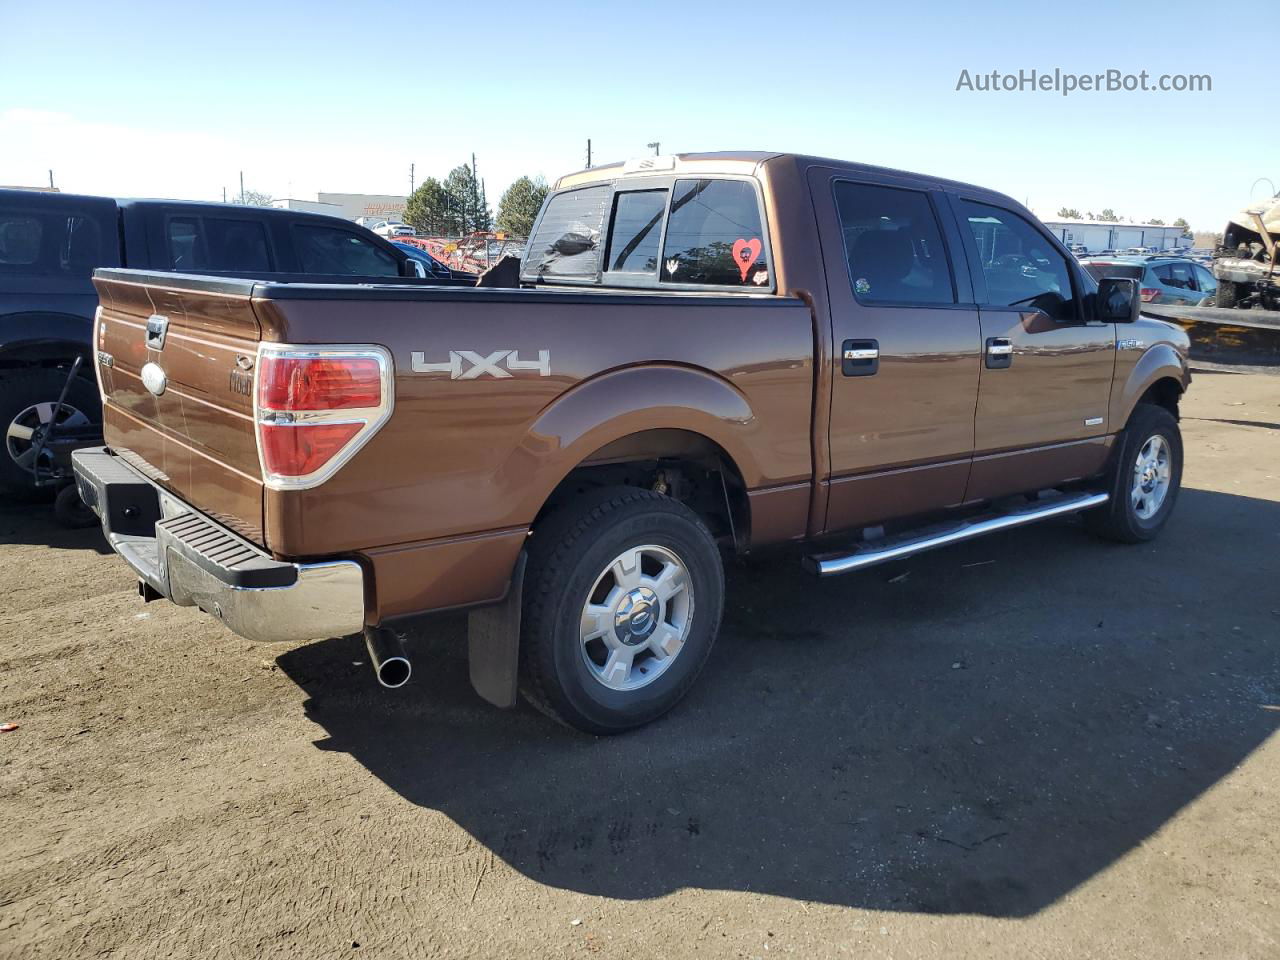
x=50, y=244
x=393, y=228
x=1160, y=279
x=708, y=354
x=433, y=267
x=1079, y=250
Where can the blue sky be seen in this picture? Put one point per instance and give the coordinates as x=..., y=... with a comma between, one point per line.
x=173, y=99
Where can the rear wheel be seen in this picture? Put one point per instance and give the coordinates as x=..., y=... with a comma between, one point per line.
x=1144, y=480
x=27, y=411
x=622, y=603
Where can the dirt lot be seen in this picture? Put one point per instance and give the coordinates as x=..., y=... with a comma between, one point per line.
x=1033, y=746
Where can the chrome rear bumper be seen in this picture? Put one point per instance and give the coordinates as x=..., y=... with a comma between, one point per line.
x=179, y=553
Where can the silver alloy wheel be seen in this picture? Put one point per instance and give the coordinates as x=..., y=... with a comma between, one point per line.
x=27, y=427
x=636, y=618
x=1151, y=477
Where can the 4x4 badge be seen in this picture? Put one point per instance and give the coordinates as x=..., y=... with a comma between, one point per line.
x=479, y=366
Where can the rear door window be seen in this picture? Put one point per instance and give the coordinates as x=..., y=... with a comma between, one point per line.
x=894, y=245
x=217, y=243
x=714, y=236
x=636, y=231
x=332, y=251
x=566, y=243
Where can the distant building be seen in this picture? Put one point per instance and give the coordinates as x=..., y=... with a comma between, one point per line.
x=365, y=208
x=374, y=205
x=308, y=206
x=1098, y=235
x=5, y=186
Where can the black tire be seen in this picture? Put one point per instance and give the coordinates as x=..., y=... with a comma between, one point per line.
x=1119, y=519
x=19, y=392
x=71, y=511
x=568, y=555
x=1227, y=295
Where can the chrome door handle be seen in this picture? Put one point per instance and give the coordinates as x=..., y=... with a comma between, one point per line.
x=999, y=353
x=860, y=358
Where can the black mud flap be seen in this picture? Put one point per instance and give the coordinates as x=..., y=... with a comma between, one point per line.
x=493, y=644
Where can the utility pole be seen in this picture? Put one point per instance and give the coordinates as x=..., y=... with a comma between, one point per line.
x=588, y=153
x=224, y=194
x=242, y=186
x=411, y=178
x=656, y=146
x=51, y=186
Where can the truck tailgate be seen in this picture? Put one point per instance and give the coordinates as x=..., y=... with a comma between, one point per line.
x=175, y=360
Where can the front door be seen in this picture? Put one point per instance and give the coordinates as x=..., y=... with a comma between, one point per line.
x=906, y=338
x=1046, y=369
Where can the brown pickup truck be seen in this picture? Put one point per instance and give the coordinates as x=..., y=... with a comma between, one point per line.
x=702, y=353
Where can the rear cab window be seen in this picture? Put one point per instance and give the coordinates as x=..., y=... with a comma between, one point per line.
x=677, y=232
x=54, y=243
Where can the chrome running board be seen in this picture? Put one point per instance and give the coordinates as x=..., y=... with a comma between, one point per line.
x=870, y=553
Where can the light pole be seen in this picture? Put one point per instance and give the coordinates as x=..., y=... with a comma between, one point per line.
x=655, y=146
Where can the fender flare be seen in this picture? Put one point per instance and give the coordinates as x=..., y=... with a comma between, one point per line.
x=621, y=403
x=1160, y=362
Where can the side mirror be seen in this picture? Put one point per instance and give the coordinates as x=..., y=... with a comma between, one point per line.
x=1117, y=300
x=416, y=269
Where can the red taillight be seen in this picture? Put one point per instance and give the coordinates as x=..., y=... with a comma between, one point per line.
x=302, y=449
x=1148, y=294
x=315, y=407
x=319, y=383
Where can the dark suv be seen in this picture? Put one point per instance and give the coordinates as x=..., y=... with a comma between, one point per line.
x=50, y=244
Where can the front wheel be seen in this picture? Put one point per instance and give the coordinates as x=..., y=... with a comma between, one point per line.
x=622, y=603
x=1144, y=480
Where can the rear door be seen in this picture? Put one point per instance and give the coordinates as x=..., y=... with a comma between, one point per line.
x=906, y=336
x=1046, y=369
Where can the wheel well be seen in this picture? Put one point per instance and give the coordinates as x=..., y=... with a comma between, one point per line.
x=1166, y=393
x=38, y=354
x=683, y=465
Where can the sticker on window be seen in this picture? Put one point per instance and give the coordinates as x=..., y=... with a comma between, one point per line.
x=745, y=253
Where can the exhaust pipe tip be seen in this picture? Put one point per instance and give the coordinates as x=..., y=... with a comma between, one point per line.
x=394, y=673
x=386, y=652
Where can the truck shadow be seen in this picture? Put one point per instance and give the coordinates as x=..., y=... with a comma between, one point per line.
x=981, y=735
x=35, y=524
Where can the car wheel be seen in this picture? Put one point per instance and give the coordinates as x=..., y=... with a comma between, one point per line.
x=1144, y=480
x=71, y=511
x=1227, y=295
x=622, y=603
x=27, y=403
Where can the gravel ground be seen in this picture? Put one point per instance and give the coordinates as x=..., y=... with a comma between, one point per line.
x=1036, y=745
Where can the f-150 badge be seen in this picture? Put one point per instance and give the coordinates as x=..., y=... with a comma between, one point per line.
x=469, y=365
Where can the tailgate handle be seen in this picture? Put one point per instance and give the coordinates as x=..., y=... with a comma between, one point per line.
x=157, y=327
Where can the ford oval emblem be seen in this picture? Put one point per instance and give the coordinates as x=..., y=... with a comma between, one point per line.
x=154, y=378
